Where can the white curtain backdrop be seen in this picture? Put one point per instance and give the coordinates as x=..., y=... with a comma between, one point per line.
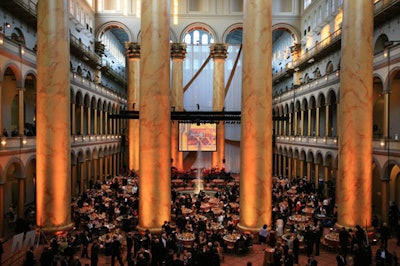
x=200, y=94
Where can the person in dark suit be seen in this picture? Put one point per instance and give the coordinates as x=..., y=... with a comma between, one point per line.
x=317, y=238
x=94, y=256
x=30, y=258
x=85, y=240
x=296, y=249
x=116, y=251
x=129, y=247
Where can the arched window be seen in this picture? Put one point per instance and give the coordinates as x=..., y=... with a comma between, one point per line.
x=198, y=36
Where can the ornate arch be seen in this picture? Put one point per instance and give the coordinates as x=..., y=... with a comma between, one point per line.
x=113, y=24
x=199, y=25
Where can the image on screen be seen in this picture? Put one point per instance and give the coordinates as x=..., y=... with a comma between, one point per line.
x=197, y=137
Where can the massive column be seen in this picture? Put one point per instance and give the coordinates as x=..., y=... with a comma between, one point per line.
x=155, y=117
x=178, y=54
x=53, y=156
x=256, y=123
x=133, y=54
x=218, y=52
x=354, y=180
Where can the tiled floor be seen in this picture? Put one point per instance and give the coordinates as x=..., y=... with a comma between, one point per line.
x=255, y=256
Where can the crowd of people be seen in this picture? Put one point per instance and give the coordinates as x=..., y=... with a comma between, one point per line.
x=293, y=197
x=106, y=218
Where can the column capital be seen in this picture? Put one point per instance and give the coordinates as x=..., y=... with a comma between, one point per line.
x=178, y=50
x=132, y=50
x=219, y=50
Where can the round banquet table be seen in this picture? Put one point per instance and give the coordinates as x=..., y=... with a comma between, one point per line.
x=332, y=239
x=268, y=256
x=187, y=239
x=230, y=240
x=297, y=218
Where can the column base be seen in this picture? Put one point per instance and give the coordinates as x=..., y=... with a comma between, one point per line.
x=243, y=228
x=55, y=229
x=156, y=230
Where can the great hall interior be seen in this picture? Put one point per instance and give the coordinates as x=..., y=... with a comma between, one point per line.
x=259, y=90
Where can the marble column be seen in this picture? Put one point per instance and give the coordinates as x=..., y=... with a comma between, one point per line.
x=256, y=138
x=301, y=168
x=327, y=122
x=354, y=180
x=101, y=131
x=105, y=122
x=308, y=170
x=95, y=130
x=284, y=166
x=178, y=54
x=96, y=169
x=385, y=200
x=386, y=131
x=114, y=164
x=309, y=133
x=290, y=124
x=302, y=124
x=218, y=52
x=21, y=119
x=290, y=162
x=89, y=167
x=295, y=126
x=326, y=178
x=73, y=127
x=294, y=167
x=106, y=164
x=155, y=117
x=285, y=128
x=53, y=154
x=89, y=126
x=133, y=54
x=21, y=197
x=82, y=115
x=82, y=177
x=317, y=122
x=279, y=164
x=101, y=169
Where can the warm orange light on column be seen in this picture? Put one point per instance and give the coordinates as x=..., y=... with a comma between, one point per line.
x=154, y=120
x=133, y=54
x=178, y=54
x=53, y=163
x=354, y=178
x=256, y=124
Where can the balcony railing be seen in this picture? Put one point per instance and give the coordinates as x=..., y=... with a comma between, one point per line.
x=25, y=143
x=386, y=147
